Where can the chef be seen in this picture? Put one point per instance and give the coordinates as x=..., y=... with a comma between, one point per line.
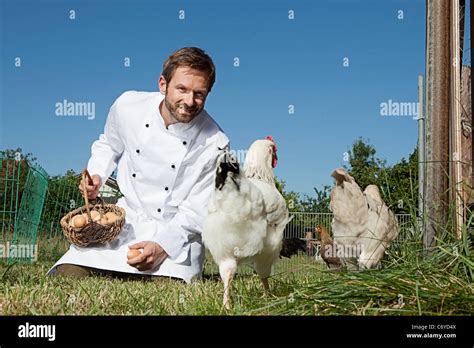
x=164, y=146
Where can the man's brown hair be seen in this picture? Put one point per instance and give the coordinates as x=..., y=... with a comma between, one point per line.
x=191, y=57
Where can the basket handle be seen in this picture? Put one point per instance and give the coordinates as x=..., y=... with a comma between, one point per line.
x=85, y=173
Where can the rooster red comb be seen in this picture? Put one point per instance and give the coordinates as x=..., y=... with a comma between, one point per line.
x=273, y=141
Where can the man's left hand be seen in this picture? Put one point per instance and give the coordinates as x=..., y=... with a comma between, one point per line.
x=151, y=257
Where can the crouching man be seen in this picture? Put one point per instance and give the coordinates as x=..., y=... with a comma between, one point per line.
x=164, y=146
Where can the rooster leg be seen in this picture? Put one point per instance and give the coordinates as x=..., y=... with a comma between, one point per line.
x=227, y=271
x=264, y=268
x=227, y=284
x=266, y=287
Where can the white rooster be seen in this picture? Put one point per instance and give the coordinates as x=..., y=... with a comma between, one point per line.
x=361, y=219
x=247, y=214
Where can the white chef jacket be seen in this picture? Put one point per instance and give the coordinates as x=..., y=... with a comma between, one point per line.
x=166, y=176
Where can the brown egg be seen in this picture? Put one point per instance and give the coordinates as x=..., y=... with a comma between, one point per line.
x=78, y=221
x=95, y=215
x=110, y=214
x=104, y=220
x=111, y=217
x=133, y=253
x=86, y=217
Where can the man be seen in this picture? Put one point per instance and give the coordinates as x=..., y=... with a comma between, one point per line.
x=164, y=147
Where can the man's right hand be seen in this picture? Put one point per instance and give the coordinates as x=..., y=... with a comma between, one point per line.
x=92, y=188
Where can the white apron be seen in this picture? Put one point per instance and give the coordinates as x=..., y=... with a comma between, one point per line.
x=113, y=256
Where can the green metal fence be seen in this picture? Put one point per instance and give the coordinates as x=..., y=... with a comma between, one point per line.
x=24, y=190
x=31, y=207
x=9, y=190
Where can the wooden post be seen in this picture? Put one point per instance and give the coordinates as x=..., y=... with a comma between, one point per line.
x=421, y=149
x=456, y=135
x=466, y=140
x=437, y=113
x=471, y=29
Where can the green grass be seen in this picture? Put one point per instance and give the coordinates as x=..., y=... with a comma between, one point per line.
x=408, y=284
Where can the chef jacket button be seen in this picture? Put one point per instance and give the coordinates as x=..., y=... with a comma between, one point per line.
x=173, y=166
x=184, y=142
x=158, y=210
x=134, y=175
x=138, y=150
x=166, y=188
x=147, y=125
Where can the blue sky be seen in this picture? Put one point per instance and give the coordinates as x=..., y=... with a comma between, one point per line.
x=282, y=62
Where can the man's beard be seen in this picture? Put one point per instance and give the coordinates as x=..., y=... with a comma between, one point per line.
x=191, y=113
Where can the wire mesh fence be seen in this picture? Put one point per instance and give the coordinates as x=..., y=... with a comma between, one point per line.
x=22, y=196
x=303, y=226
x=9, y=197
x=32, y=204
x=31, y=207
x=28, y=215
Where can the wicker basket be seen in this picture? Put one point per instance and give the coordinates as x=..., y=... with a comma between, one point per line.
x=93, y=232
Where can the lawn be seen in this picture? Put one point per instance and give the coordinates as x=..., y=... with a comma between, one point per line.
x=407, y=284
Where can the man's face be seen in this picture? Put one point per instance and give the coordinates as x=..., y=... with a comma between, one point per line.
x=185, y=94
